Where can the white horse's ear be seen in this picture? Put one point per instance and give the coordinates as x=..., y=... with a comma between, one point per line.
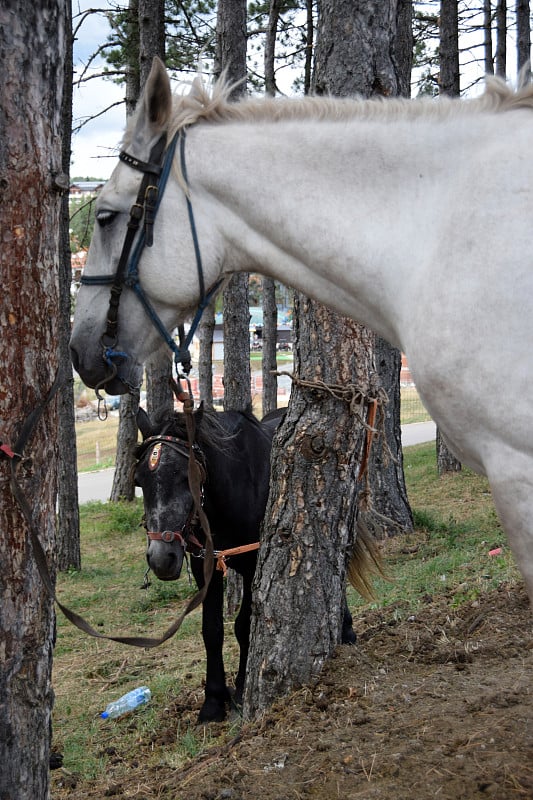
x=157, y=96
x=197, y=89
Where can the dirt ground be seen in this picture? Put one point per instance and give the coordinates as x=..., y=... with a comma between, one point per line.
x=438, y=705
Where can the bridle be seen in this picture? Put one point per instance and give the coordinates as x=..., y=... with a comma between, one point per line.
x=186, y=536
x=155, y=176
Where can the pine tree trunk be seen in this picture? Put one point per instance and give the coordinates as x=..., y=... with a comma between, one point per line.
x=68, y=519
x=523, y=34
x=448, y=84
x=151, y=35
x=206, y=331
x=32, y=47
x=386, y=477
x=159, y=395
x=123, y=487
x=310, y=517
x=449, y=73
x=446, y=461
x=270, y=332
x=231, y=57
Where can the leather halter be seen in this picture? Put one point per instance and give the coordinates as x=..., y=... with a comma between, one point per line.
x=185, y=537
x=155, y=175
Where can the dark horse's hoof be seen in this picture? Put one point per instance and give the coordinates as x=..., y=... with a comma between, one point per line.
x=213, y=710
x=56, y=760
x=349, y=636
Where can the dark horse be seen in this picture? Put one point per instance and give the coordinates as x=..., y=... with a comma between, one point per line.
x=234, y=449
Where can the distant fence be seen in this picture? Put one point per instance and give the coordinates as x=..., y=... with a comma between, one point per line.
x=96, y=440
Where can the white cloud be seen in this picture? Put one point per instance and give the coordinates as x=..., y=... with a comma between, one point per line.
x=97, y=140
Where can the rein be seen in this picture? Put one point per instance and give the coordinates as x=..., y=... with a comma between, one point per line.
x=15, y=456
x=155, y=176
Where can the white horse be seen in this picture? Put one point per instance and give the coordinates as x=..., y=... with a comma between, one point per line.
x=413, y=217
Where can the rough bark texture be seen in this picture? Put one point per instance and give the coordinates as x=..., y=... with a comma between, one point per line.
x=133, y=79
x=449, y=84
x=231, y=59
x=159, y=394
x=206, y=331
x=32, y=44
x=523, y=34
x=270, y=311
x=449, y=74
x=310, y=518
x=68, y=519
x=311, y=513
x=446, y=461
x=270, y=326
x=501, y=38
x=237, y=388
x=488, y=61
x=231, y=42
x=123, y=487
x=385, y=468
x=151, y=35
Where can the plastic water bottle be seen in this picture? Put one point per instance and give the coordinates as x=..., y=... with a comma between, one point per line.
x=137, y=697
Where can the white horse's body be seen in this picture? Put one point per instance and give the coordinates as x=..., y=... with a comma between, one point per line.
x=413, y=218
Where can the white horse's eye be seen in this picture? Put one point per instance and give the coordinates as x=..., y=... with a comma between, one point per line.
x=105, y=217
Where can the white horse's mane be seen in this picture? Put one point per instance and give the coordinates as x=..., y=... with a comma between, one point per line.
x=214, y=106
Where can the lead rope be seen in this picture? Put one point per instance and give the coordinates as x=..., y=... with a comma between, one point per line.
x=195, y=477
x=15, y=457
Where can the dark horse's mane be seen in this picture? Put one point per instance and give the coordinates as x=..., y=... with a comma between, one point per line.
x=212, y=428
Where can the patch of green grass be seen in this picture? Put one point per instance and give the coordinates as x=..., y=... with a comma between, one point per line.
x=455, y=527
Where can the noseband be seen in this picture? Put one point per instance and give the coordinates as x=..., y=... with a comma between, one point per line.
x=155, y=175
x=185, y=537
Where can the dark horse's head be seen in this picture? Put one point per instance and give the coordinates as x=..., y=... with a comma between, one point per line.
x=162, y=474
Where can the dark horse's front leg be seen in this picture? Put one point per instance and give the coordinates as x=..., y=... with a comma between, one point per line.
x=242, y=627
x=216, y=691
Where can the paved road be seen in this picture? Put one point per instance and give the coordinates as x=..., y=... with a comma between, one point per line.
x=97, y=485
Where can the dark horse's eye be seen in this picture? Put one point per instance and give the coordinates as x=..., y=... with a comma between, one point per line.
x=105, y=217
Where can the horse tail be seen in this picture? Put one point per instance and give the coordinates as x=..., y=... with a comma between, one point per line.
x=365, y=562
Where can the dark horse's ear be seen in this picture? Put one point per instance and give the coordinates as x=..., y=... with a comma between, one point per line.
x=143, y=423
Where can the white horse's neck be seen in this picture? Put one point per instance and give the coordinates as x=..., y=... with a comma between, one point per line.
x=332, y=209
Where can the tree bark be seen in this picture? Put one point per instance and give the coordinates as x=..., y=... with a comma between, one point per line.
x=123, y=487
x=310, y=518
x=231, y=59
x=446, y=461
x=449, y=75
x=501, y=38
x=270, y=311
x=151, y=35
x=68, y=518
x=523, y=34
x=159, y=395
x=206, y=331
x=32, y=48
x=270, y=332
x=449, y=84
x=386, y=477
x=488, y=60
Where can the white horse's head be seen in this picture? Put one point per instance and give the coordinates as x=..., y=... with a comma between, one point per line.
x=168, y=271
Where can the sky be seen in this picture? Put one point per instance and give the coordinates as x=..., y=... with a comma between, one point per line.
x=94, y=148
